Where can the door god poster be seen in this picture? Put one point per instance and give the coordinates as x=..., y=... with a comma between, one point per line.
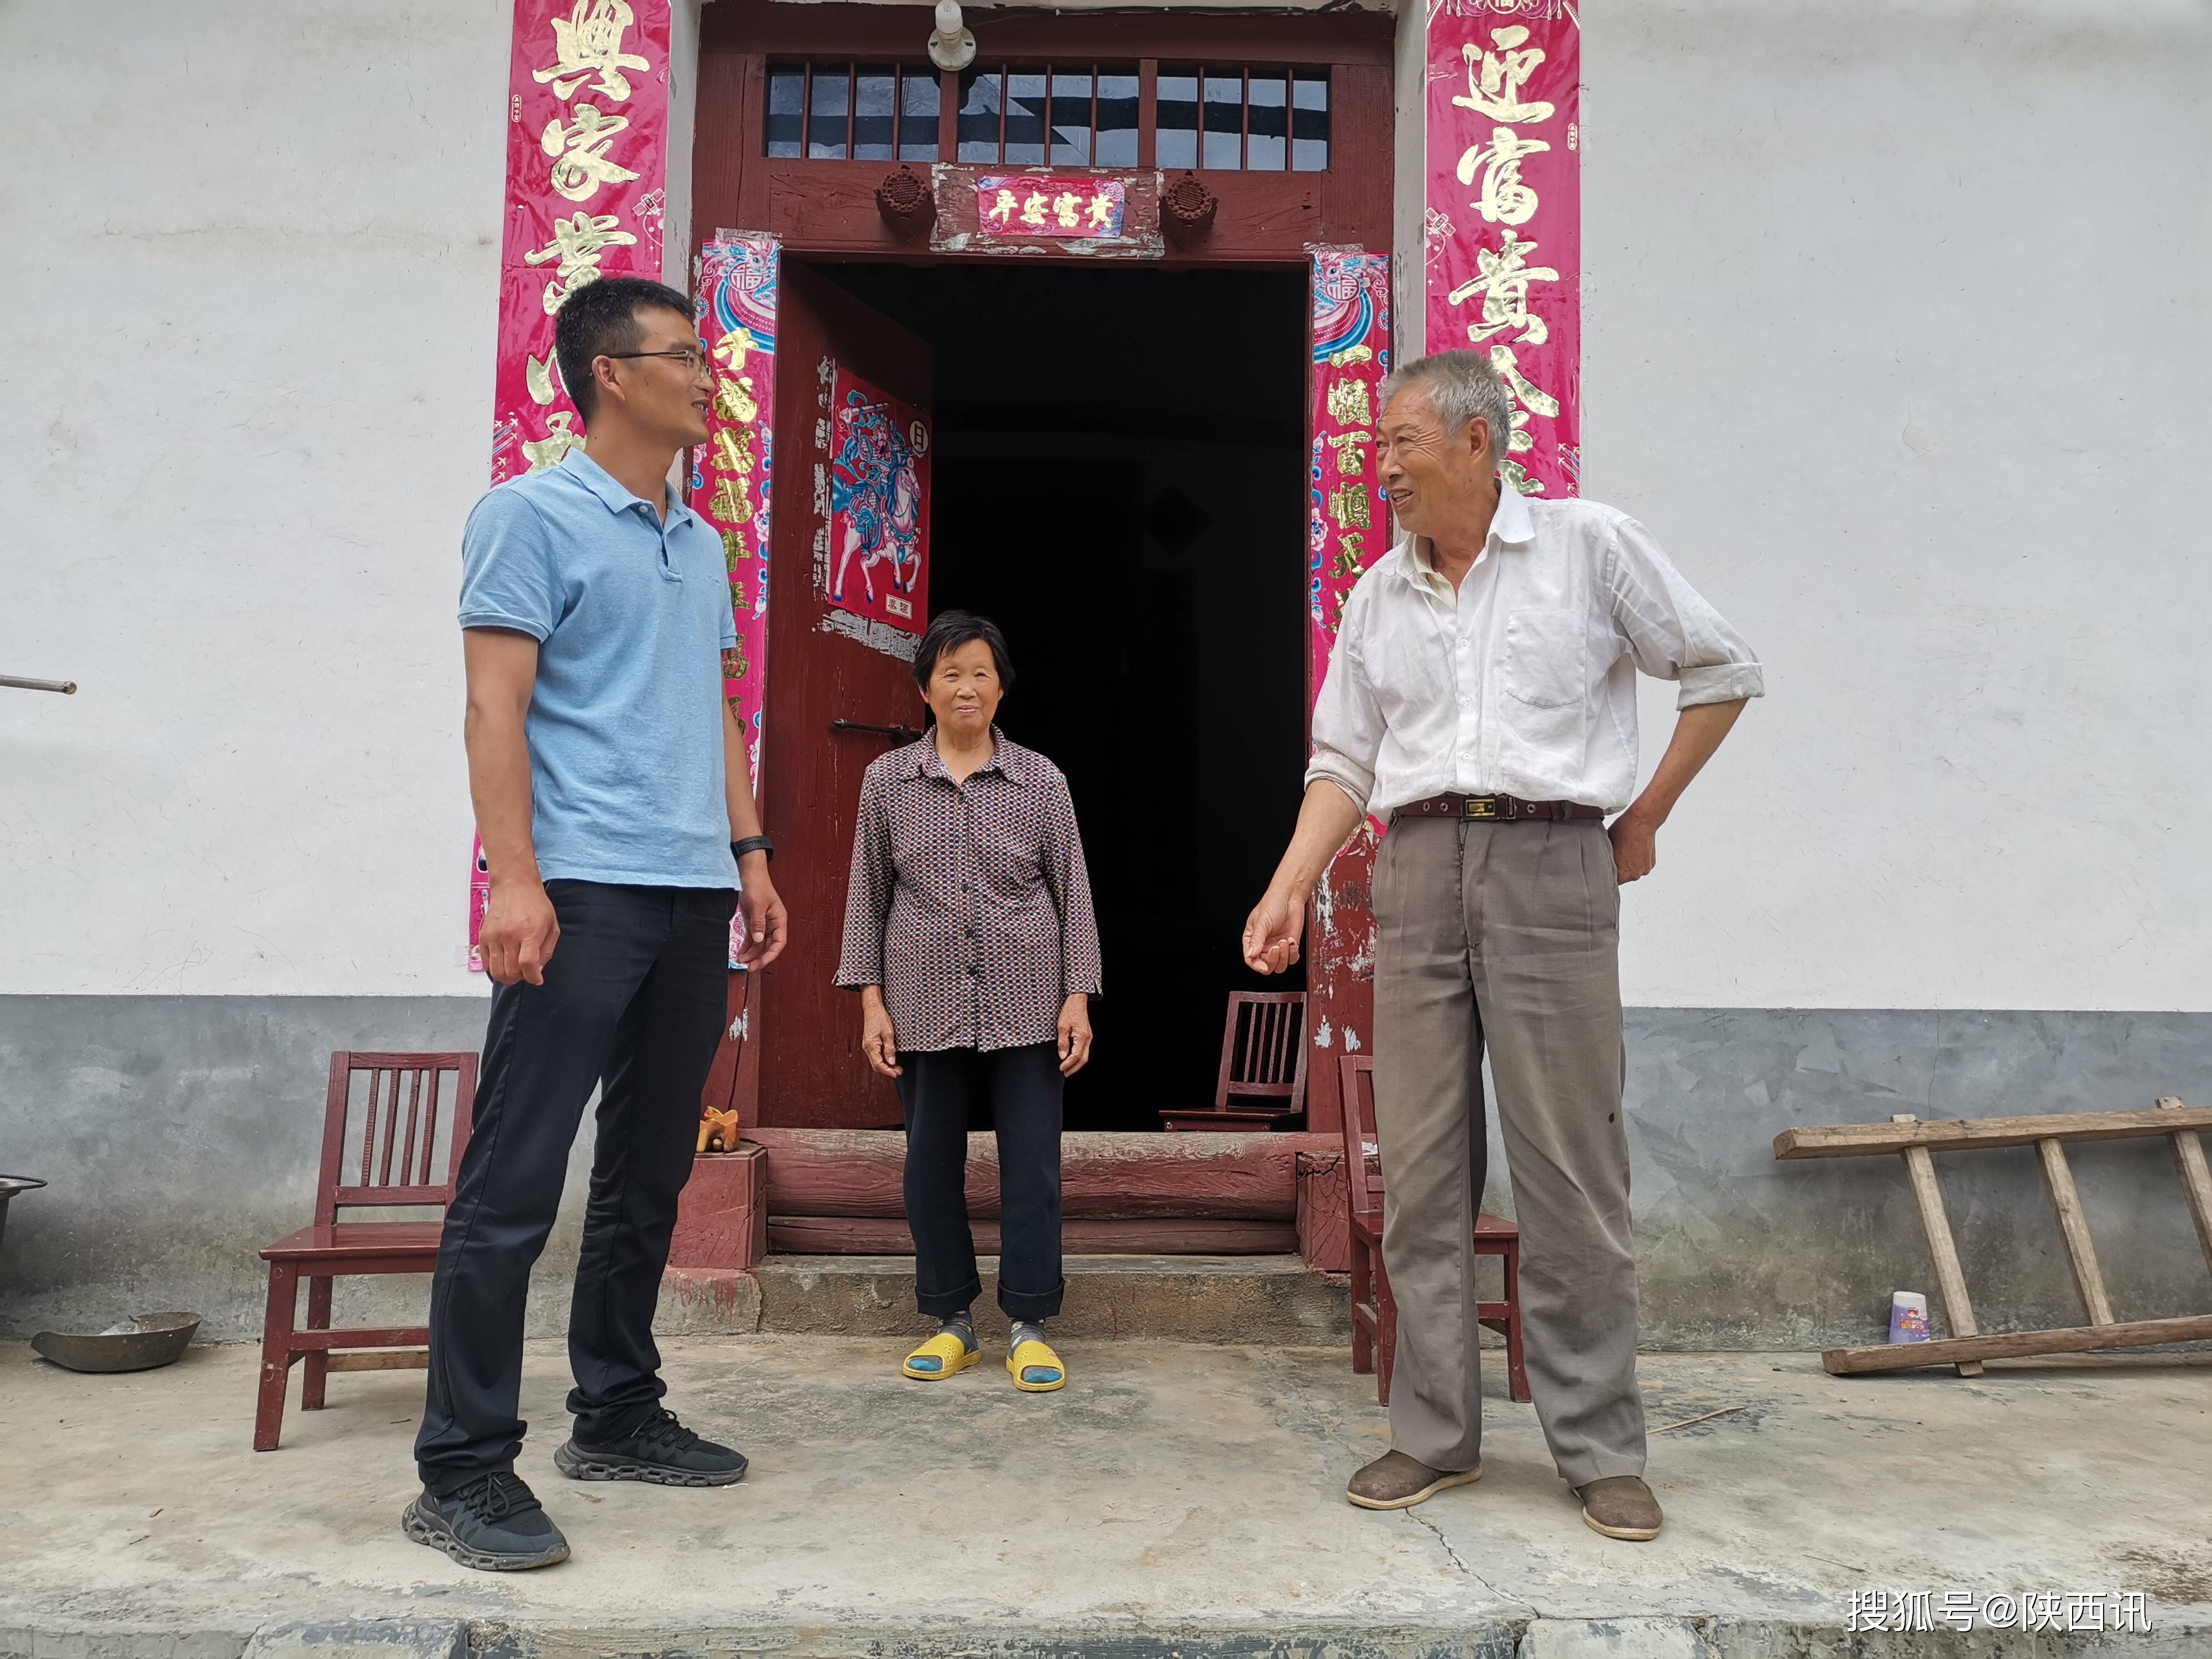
x=878, y=506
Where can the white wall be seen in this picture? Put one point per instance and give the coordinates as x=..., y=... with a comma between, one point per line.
x=1898, y=334
x=245, y=402
x=1895, y=324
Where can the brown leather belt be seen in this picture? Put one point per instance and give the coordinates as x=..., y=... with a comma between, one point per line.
x=1497, y=809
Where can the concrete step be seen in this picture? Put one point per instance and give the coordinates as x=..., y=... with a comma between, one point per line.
x=1266, y=1299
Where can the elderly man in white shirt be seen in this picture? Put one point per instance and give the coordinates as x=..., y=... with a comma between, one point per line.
x=1481, y=699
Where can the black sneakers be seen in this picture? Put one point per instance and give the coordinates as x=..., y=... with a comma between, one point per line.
x=494, y=1524
x=661, y=1450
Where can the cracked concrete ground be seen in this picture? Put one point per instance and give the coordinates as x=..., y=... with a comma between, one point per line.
x=1173, y=1499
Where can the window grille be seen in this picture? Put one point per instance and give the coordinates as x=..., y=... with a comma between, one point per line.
x=1067, y=115
x=1263, y=120
x=1256, y=120
x=852, y=111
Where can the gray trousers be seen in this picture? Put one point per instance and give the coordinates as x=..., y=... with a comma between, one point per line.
x=1506, y=935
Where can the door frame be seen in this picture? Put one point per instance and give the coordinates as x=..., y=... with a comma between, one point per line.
x=827, y=210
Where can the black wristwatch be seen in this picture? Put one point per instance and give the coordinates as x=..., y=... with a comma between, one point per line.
x=753, y=844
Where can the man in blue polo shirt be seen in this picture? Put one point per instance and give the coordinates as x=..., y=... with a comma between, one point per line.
x=616, y=812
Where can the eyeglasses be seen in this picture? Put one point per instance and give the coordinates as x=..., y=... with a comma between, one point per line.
x=692, y=357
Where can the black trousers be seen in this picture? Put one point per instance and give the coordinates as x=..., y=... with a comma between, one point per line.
x=633, y=1004
x=1024, y=1088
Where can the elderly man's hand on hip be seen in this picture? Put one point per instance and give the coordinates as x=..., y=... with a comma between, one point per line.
x=1635, y=846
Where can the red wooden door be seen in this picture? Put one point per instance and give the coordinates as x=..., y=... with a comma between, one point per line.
x=840, y=689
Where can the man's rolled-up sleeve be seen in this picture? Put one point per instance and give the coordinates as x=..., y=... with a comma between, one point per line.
x=1671, y=632
x=506, y=568
x=1347, y=719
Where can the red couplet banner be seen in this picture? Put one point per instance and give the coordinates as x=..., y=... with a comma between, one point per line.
x=730, y=479
x=587, y=165
x=1348, y=521
x=1503, y=221
x=731, y=474
x=586, y=168
x=1347, y=529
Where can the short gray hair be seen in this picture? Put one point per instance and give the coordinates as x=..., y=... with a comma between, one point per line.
x=1463, y=387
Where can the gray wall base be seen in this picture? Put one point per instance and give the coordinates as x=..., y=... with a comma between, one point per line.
x=180, y=1134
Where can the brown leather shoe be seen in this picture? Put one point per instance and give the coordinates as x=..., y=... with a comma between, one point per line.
x=1395, y=1481
x=1620, y=1506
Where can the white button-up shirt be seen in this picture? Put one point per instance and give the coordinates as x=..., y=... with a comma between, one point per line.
x=1523, y=680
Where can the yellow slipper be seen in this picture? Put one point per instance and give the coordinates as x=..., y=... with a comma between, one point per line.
x=1039, y=1357
x=943, y=1355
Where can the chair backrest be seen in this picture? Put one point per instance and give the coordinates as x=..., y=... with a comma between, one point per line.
x=1263, y=1051
x=381, y=1140
x=1355, y=1076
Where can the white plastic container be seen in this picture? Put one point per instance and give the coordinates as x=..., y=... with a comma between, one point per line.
x=1908, y=1318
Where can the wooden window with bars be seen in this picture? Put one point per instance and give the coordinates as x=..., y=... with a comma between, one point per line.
x=1253, y=120
x=1106, y=115
x=852, y=111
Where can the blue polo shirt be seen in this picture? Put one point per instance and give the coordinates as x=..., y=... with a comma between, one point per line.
x=631, y=616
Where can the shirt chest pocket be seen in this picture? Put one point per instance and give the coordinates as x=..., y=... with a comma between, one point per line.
x=1543, y=657
x=1009, y=852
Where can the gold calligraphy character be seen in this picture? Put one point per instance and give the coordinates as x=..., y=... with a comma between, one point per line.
x=1350, y=452
x=733, y=450
x=1505, y=199
x=543, y=376
x=560, y=438
x=1033, y=209
x=733, y=399
x=1348, y=404
x=579, y=243
x=727, y=505
x=1503, y=276
x=1495, y=79
x=1002, y=208
x=735, y=548
x=589, y=43
x=730, y=350
x=579, y=152
x=1524, y=389
x=1529, y=399
x=1347, y=505
x=1067, y=208
x=1347, y=563
x=1102, y=211
x=1351, y=354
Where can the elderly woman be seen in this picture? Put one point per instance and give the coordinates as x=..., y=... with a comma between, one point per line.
x=969, y=936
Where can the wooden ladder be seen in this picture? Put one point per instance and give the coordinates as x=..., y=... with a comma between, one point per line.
x=1918, y=1142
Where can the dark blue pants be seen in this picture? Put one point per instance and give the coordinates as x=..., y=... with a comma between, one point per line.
x=632, y=1006
x=1023, y=1087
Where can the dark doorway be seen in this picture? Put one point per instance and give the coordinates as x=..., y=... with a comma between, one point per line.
x=1120, y=481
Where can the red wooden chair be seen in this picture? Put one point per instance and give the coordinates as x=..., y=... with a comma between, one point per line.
x=1262, y=1081
x=394, y=1172
x=1374, y=1312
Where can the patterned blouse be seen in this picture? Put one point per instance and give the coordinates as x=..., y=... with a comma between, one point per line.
x=970, y=903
